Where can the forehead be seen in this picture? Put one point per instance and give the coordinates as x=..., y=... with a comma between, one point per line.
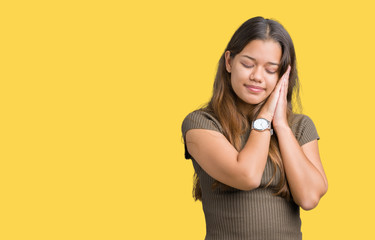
x=262, y=51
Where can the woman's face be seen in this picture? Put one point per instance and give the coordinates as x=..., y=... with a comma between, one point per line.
x=254, y=71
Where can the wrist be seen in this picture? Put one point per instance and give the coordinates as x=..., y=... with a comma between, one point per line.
x=280, y=127
x=265, y=115
x=261, y=124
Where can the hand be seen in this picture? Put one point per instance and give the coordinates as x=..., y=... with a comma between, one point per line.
x=269, y=108
x=280, y=118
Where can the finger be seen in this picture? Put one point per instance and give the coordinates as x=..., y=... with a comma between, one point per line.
x=287, y=73
x=279, y=102
x=274, y=97
x=287, y=81
x=276, y=91
x=282, y=91
x=286, y=87
x=279, y=83
x=284, y=77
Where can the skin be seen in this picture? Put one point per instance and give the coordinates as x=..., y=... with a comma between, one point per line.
x=254, y=65
x=243, y=170
x=303, y=167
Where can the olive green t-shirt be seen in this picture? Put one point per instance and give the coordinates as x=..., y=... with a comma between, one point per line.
x=257, y=214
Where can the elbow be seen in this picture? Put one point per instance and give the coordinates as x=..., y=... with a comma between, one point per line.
x=325, y=189
x=249, y=177
x=310, y=202
x=311, y=199
x=253, y=182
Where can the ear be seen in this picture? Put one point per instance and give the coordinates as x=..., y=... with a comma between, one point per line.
x=228, y=61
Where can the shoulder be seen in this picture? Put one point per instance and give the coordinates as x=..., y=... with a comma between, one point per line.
x=200, y=119
x=304, y=128
x=300, y=119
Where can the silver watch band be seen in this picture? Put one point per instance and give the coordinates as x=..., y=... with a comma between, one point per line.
x=262, y=129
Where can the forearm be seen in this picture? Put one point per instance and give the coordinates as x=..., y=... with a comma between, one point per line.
x=253, y=157
x=307, y=185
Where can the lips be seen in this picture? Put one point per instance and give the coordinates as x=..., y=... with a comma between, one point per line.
x=254, y=87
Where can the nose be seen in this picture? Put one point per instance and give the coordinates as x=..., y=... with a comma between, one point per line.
x=256, y=74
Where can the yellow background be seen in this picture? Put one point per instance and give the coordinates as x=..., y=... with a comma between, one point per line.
x=93, y=94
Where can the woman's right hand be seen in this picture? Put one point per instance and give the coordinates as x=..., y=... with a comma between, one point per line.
x=268, y=110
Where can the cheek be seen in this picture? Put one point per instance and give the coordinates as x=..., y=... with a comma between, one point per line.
x=240, y=71
x=273, y=82
x=236, y=78
x=271, y=86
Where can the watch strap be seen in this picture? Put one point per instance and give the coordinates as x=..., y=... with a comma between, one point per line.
x=268, y=127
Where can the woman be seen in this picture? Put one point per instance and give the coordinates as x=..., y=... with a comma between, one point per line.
x=256, y=161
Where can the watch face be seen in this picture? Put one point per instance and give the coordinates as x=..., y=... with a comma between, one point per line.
x=260, y=124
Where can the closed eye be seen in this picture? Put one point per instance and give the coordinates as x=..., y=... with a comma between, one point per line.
x=246, y=66
x=271, y=72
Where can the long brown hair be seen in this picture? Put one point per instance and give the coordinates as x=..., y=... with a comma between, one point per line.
x=224, y=102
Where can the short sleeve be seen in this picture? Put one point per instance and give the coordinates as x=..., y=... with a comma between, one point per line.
x=198, y=119
x=304, y=129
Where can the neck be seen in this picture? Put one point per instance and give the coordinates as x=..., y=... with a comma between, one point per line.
x=244, y=108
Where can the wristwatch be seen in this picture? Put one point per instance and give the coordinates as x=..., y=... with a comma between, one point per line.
x=261, y=124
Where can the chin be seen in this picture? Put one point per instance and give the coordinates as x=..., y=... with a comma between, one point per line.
x=250, y=101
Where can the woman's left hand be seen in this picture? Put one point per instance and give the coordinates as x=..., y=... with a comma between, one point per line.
x=280, y=119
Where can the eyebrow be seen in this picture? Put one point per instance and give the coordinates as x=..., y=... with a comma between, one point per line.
x=272, y=63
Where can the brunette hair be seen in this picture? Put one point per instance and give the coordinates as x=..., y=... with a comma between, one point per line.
x=223, y=103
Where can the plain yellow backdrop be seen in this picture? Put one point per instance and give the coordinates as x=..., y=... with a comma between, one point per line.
x=93, y=94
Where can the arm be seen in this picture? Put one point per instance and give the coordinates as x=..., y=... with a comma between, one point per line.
x=217, y=156
x=303, y=168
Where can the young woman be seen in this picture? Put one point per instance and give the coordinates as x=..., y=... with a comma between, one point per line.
x=256, y=161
